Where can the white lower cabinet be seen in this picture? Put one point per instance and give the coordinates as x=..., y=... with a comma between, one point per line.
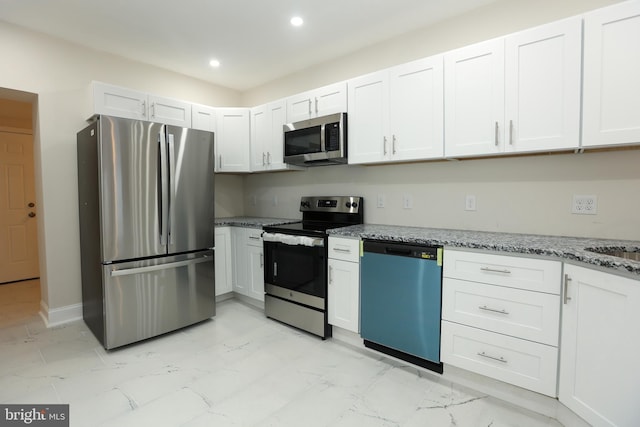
x=343, y=295
x=248, y=262
x=501, y=317
x=599, y=369
x=223, y=257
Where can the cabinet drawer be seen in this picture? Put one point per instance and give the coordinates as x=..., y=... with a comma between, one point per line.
x=519, y=362
x=523, y=273
x=524, y=314
x=344, y=249
x=254, y=236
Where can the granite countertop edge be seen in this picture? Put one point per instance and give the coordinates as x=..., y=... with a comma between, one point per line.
x=251, y=221
x=572, y=249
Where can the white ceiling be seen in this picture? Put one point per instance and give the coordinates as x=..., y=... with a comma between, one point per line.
x=252, y=38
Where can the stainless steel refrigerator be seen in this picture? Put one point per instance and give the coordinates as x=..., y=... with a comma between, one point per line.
x=146, y=228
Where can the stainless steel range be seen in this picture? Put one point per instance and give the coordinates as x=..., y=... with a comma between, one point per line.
x=295, y=272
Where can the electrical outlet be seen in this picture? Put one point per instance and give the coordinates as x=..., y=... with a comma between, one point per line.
x=584, y=205
x=470, y=202
x=381, y=200
x=407, y=201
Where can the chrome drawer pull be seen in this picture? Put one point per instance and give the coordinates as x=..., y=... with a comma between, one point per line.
x=346, y=251
x=496, y=270
x=498, y=359
x=493, y=310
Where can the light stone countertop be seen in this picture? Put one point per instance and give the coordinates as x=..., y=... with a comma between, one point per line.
x=251, y=221
x=563, y=248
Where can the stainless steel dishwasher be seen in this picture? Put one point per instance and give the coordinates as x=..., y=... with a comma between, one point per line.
x=401, y=301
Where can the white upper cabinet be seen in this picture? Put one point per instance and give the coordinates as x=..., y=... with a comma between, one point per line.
x=611, y=92
x=368, y=119
x=318, y=102
x=474, y=99
x=169, y=111
x=267, y=146
x=203, y=117
x=397, y=114
x=118, y=101
x=520, y=93
x=131, y=104
x=542, y=87
x=232, y=140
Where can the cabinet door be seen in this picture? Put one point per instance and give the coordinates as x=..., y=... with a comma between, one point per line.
x=240, y=261
x=611, y=92
x=416, y=110
x=119, y=102
x=542, y=87
x=344, y=294
x=203, y=117
x=330, y=99
x=255, y=257
x=278, y=118
x=260, y=134
x=233, y=139
x=368, y=118
x=169, y=111
x=474, y=99
x=223, y=266
x=599, y=370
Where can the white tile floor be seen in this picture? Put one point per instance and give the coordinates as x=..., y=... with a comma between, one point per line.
x=239, y=369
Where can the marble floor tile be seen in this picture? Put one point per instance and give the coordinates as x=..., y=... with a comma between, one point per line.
x=238, y=369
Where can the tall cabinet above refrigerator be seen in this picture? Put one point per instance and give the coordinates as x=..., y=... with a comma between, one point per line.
x=146, y=212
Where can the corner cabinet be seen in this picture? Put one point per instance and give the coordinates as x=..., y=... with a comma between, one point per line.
x=343, y=295
x=599, y=370
x=318, y=102
x=232, y=140
x=611, y=89
x=501, y=317
x=397, y=114
x=515, y=94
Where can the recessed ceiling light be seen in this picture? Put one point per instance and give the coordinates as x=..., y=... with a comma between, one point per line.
x=214, y=63
x=297, y=21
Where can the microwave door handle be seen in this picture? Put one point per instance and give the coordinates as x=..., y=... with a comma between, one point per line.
x=323, y=147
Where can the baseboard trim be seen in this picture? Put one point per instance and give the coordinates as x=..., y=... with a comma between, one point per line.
x=59, y=316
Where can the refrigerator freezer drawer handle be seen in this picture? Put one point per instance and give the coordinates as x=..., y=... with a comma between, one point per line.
x=138, y=270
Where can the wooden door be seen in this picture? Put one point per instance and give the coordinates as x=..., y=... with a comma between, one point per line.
x=18, y=227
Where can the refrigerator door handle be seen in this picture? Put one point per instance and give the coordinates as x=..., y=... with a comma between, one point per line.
x=163, y=188
x=138, y=270
x=171, y=190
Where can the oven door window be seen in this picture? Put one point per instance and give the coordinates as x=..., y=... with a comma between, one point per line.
x=295, y=267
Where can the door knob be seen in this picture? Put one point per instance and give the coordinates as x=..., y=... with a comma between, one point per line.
x=31, y=204
x=32, y=214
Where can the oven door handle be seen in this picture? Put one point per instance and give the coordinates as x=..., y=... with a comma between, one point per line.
x=292, y=240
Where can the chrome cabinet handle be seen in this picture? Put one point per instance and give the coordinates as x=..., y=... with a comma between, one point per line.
x=393, y=145
x=330, y=274
x=493, y=310
x=316, y=104
x=499, y=359
x=346, y=251
x=495, y=270
x=510, y=132
x=261, y=260
x=268, y=157
x=263, y=159
x=275, y=269
x=254, y=237
x=496, y=135
x=144, y=108
x=153, y=110
x=567, y=279
x=220, y=161
x=384, y=145
x=310, y=112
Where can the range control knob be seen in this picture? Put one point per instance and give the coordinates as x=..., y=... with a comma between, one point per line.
x=354, y=205
x=348, y=205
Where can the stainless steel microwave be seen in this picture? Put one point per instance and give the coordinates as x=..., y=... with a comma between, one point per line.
x=316, y=142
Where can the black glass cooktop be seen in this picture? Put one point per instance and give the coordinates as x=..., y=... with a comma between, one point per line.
x=304, y=227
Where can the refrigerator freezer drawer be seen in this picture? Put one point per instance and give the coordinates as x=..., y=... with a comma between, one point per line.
x=151, y=297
